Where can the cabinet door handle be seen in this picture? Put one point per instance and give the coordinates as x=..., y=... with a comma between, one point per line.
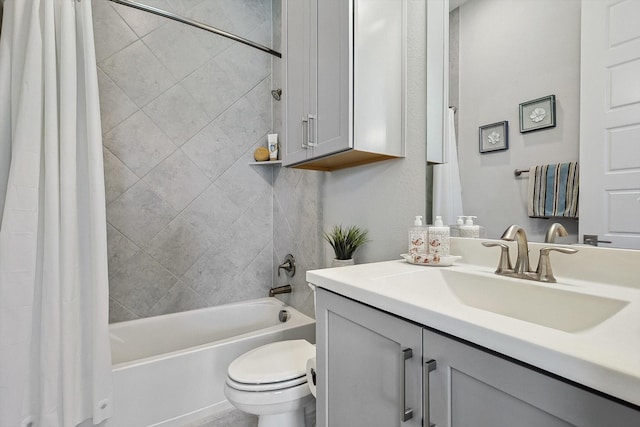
x=407, y=413
x=429, y=366
x=305, y=121
x=312, y=130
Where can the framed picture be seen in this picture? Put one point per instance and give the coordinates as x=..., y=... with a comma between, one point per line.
x=538, y=114
x=494, y=137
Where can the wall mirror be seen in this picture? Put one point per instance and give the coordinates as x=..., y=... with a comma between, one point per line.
x=502, y=54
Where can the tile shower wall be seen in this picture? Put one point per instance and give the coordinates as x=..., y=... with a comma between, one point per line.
x=297, y=229
x=190, y=223
x=297, y=208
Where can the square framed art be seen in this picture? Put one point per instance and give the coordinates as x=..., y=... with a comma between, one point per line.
x=538, y=114
x=494, y=137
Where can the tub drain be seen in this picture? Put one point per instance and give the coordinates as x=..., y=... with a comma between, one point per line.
x=283, y=316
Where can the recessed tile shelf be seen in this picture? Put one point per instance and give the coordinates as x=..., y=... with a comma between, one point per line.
x=267, y=163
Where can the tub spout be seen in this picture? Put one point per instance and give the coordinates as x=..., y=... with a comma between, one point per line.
x=286, y=289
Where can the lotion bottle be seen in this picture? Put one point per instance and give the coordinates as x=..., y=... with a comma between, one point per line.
x=272, y=141
x=439, y=238
x=418, y=235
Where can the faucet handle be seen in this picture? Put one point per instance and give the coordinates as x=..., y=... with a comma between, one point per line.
x=504, y=265
x=289, y=266
x=544, y=272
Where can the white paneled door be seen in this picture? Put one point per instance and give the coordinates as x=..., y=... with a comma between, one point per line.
x=610, y=122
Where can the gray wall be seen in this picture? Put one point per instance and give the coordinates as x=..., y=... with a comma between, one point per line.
x=512, y=52
x=384, y=197
x=190, y=223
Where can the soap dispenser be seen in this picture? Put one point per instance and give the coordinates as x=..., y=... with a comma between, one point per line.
x=439, y=238
x=418, y=235
x=469, y=229
x=454, y=230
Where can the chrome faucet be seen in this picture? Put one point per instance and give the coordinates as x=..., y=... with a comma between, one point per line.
x=522, y=269
x=555, y=229
x=517, y=233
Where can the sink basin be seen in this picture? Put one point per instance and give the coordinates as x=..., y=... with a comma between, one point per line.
x=543, y=305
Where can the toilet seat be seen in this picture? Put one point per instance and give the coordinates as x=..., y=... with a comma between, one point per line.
x=274, y=366
x=281, y=385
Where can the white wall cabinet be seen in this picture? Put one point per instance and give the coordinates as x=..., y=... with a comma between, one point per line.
x=344, y=82
x=363, y=379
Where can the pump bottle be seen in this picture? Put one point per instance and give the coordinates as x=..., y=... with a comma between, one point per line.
x=469, y=229
x=439, y=238
x=418, y=235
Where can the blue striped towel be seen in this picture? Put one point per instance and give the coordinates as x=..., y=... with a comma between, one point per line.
x=553, y=190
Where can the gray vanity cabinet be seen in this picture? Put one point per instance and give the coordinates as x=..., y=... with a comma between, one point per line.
x=474, y=388
x=363, y=379
x=369, y=366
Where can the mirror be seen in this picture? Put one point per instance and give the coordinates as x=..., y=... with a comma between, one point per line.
x=503, y=53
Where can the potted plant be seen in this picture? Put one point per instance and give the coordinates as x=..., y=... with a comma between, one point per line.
x=344, y=242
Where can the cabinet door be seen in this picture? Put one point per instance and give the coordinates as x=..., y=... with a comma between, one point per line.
x=331, y=55
x=363, y=377
x=471, y=387
x=297, y=78
x=317, y=83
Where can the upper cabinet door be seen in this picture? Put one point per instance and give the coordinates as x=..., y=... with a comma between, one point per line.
x=298, y=17
x=317, y=76
x=345, y=85
x=330, y=97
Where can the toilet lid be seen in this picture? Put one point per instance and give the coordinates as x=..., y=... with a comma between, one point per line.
x=271, y=363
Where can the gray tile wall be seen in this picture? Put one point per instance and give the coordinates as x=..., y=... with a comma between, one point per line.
x=297, y=207
x=190, y=223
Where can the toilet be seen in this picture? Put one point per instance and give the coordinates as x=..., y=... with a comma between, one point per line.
x=271, y=382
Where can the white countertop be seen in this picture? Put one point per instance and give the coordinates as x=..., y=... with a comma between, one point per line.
x=605, y=357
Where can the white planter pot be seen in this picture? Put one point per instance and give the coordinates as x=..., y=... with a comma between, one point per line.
x=341, y=262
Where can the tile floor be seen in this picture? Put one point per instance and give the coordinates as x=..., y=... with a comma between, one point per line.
x=229, y=418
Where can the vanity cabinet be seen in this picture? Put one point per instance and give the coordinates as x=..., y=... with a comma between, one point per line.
x=344, y=82
x=363, y=379
x=369, y=366
x=473, y=387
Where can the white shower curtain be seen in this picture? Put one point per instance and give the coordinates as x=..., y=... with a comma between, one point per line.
x=447, y=190
x=55, y=361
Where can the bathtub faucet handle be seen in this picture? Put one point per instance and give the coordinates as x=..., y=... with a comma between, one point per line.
x=289, y=265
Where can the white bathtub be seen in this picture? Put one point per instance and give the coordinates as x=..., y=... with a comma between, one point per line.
x=170, y=370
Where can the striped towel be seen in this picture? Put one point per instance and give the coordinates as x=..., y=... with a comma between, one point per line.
x=553, y=190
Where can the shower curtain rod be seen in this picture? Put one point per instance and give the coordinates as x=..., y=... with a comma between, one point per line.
x=196, y=24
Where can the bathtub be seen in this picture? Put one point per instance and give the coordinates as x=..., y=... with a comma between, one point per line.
x=170, y=370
